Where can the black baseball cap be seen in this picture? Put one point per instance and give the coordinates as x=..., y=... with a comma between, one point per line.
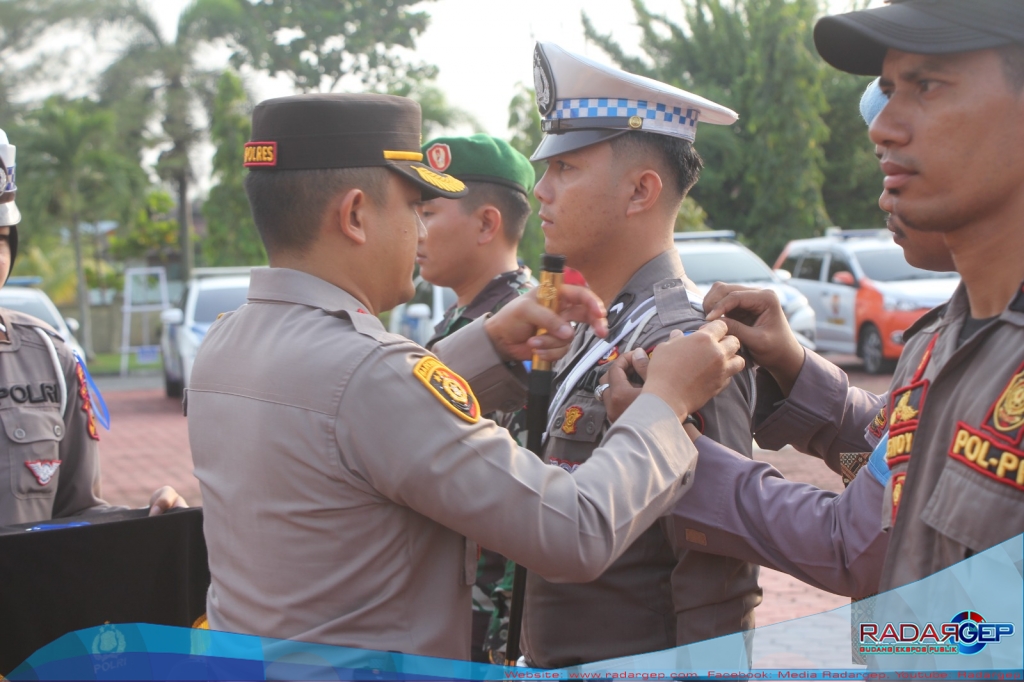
x=856, y=42
x=317, y=131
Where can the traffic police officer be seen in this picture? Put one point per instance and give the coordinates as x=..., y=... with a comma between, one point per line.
x=955, y=412
x=347, y=472
x=470, y=245
x=620, y=161
x=49, y=438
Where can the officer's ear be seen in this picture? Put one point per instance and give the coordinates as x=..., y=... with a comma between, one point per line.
x=490, y=224
x=647, y=188
x=349, y=215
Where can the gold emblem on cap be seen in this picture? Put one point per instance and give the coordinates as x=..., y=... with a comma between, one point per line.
x=442, y=182
x=635, y=122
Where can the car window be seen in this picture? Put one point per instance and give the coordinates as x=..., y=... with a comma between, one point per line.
x=212, y=302
x=839, y=263
x=735, y=266
x=789, y=265
x=30, y=306
x=889, y=265
x=809, y=268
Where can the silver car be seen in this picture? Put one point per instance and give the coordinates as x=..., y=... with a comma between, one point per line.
x=36, y=303
x=716, y=256
x=210, y=292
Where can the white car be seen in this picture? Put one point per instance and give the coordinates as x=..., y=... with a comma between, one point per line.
x=36, y=303
x=210, y=292
x=716, y=256
x=863, y=291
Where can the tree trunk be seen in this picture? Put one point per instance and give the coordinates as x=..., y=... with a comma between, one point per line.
x=185, y=227
x=83, y=289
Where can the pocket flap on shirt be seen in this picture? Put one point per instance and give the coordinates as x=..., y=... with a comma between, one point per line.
x=972, y=510
x=29, y=425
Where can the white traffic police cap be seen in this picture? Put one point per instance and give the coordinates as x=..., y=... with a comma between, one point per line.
x=583, y=102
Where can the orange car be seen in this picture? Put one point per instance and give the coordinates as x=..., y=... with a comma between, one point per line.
x=863, y=291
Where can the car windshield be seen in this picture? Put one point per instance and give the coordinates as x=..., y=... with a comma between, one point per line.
x=212, y=302
x=729, y=266
x=889, y=265
x=30, y=306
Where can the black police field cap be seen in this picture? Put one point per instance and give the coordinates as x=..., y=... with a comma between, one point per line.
x=320, y=131
x=856, y=42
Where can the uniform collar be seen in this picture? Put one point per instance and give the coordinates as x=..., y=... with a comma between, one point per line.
x=284, y=285
x=959, y=308
x=502, y=287
x=640, y=287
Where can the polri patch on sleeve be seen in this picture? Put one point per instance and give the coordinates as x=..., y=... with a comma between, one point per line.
x=260, y=154
x=451, y=389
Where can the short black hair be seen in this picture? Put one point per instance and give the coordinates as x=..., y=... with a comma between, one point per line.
x=1013, y=65
x=288, y=205
x=513, y=205
x=676, y=155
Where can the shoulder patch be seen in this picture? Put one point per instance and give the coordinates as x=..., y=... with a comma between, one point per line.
x=924, y=321
x=452, y=390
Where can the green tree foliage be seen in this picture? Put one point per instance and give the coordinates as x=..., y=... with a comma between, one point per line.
x=68, y=172
x=152, y=233
x=231, y=237
x=765, y=176
x=524, y=127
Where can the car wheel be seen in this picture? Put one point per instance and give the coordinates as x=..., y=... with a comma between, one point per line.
x=174, y=389
x=870, y=350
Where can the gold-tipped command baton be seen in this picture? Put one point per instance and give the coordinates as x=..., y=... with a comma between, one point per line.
x=537, y=404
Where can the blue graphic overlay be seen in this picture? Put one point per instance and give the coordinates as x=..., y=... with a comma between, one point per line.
x=963, y=623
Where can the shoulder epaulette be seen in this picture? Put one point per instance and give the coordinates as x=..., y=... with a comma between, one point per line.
x=675, y=303
x=926, y=319
x=13, y=317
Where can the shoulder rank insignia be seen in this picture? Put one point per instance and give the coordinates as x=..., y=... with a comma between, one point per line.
x=451, y=389
x=572, y=415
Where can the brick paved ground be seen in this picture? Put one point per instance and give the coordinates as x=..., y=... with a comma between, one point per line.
x=148, y=447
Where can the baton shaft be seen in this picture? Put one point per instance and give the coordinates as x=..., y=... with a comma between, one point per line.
x=537, y=405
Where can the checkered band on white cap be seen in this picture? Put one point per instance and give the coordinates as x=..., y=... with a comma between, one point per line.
x=655, y=117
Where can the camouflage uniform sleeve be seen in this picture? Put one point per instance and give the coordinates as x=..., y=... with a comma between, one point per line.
x=78, y=489
x=823, y=416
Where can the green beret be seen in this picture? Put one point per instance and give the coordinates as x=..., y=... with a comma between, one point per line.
x=480, y=158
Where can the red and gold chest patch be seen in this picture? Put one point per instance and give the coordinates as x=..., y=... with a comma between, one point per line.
x=572, y=415
x=83, y=394
x=448, y=387
x=1005, y=419
x=905, y=407
x=260, y=154
x=897, y=493
x=986, y=455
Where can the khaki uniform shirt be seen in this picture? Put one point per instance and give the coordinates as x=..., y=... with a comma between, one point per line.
x=955, y=416
x=49, y=461
x=343, y=493
x=658, y=594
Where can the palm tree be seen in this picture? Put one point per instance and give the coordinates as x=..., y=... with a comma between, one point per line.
x=66, y=147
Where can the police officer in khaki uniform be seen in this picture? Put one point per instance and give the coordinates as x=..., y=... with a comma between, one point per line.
x=347, y=474
x=954, y=417
x=470, y=245
x=50, y=464
x=620, y=161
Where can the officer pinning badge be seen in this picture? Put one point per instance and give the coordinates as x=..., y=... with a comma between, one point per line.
x=43, y=469
x=439, y=156
x=1005, y=419
x=987, y=456
x=259, y=154
x=572, y=416
x=451, y=389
